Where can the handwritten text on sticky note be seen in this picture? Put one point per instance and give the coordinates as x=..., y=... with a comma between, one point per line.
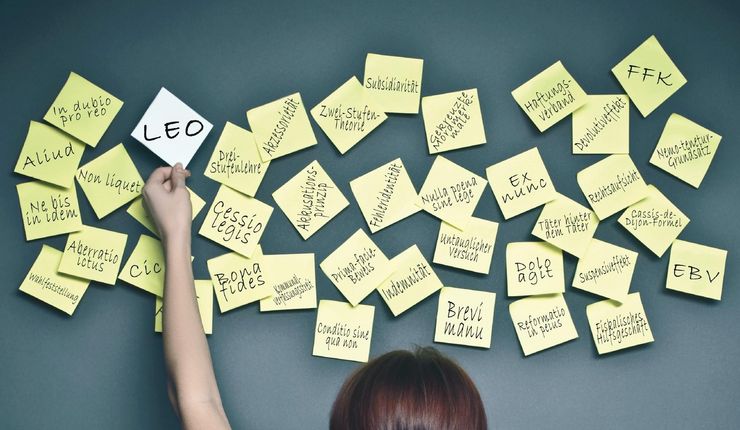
x=465, y=317
x=48, y=210
x=310, y=199
x=542, y=322
x=343, y=331
x=550, y=96
x=235, y=221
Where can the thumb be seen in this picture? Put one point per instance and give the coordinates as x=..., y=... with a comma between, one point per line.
x=178, y=176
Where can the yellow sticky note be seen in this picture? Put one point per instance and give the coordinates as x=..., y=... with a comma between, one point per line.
x=49, y=155
x=343, y=331
x=140, y=213
x=236, y=162
x=534, y=268
x=566, y=224
x=465, y=317
x=238, y=280
x=411, y=281
x=648, y=76
x=521, y=183
x=94, y=253
x=394, y=83
x=602, y=125
x=685, y=149
x=83, y=109
x=310, y=199
x=291, y=279
x=616, y=326
x=450, y=192
x=542, y=322
x=348, y=114
x=43, y=282
x=612, y=184
x=204, y=297
x=605, y=270
x=281, y=127
x=654, y=221
x=235, y=221
x=145, y=266
x=550, y=96
x=356, y=267
x=110, y=181
x=470, y=249
x=385, y=195
x=696, y=269
x=453, y=120
x=48, y=210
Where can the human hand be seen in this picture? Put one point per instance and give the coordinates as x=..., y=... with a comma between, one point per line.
x=168, y=202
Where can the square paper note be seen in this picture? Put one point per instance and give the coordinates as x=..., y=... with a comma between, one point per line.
x=238, y=280
x=145, y=266
x=450, y=192
x=235, y=161
x=470, y=249
x=235, y=221
x=204, y=297
x=465, y=317
x=356, y=267
x=566, y=224
x=685, y=149
x=611, y=185
x=616, y=326
x=394, y=83
x=696, y=269
x=348, y=114
x=171, y=129
x=140, y=213
x=110, y=181
x=291, y=279
x=343, y=331
x=310, y=199
x=550, y=96
x=385, y=195
x=521, y=183
x=281, y=127
x=94, y=253
x=48, y=210
x=62, y=291
x=49, y=155
x=411, y=281
x=453, y=121
x=654, y=221
x=649, y=76
x=605, y=270
x=83, y=109
x=534, y=268
x=602, y=125
x=542, y=322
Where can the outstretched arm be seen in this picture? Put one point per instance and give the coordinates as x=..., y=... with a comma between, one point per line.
x=191, y=383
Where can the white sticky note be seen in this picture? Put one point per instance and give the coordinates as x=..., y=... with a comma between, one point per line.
x=171, y=129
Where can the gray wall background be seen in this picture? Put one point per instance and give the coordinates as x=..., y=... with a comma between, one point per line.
x=103, y=368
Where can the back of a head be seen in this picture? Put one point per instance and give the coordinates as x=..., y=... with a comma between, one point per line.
x=403, y=390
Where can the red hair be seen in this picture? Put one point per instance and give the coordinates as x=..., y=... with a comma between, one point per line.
x=409, y=390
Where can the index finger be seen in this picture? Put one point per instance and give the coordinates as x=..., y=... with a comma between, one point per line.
x=159, y=175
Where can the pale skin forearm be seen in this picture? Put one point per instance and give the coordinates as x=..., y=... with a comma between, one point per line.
x=191, y=380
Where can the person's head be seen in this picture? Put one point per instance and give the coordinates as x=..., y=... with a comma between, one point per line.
x=409, y=390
